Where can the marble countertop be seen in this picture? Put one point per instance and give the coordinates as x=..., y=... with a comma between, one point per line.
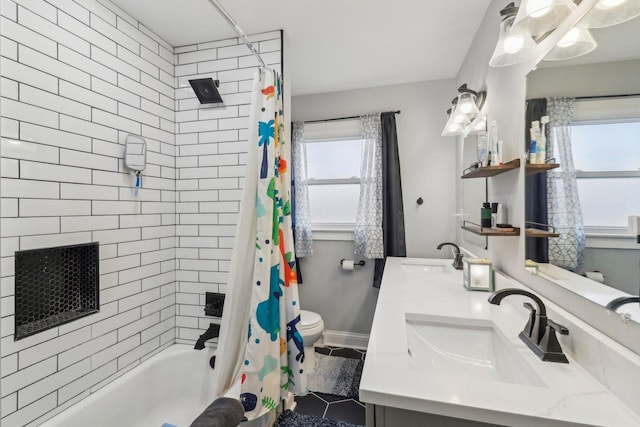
x=567, y=394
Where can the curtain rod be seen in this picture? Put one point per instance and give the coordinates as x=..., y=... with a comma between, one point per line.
x=624, y=95
x=343, y=118
x=238, y=30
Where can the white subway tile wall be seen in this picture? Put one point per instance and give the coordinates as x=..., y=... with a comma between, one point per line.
x=77, y=77
x=211, y=143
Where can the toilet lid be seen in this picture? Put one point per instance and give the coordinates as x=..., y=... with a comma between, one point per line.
x=309, y=318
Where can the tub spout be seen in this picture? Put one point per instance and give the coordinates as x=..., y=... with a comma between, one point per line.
x=212, y=332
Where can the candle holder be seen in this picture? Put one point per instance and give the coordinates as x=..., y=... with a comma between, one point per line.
x=478, y=274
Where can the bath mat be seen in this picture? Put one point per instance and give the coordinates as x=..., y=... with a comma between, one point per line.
x=293, y=419
x=336, y=375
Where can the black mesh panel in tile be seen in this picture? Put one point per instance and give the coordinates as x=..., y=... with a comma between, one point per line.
x=55, y=286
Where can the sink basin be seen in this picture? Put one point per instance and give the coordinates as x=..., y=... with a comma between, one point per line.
x=470, y=348
x=423, y=268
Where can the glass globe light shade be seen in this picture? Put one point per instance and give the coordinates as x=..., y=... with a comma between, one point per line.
x=537, y=17
x=467, y=103
x=577, y=42
x=456, y=124
x=511, y=48
x=611, y=12
x=480, y=125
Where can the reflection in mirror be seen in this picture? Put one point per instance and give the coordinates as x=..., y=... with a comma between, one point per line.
x=586, y=184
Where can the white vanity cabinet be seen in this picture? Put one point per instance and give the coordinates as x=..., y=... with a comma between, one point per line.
x=386, y=416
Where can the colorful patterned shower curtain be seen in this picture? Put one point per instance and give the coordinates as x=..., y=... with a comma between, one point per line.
x=274, y=353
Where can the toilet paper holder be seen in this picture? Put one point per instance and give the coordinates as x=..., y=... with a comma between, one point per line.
x=361, y=263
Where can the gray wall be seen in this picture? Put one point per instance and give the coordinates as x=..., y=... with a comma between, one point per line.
x=605, y=78
x=427, y=161
x=345, y=299
x=619, y=266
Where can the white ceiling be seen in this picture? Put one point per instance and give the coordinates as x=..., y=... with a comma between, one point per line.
x=334, y=44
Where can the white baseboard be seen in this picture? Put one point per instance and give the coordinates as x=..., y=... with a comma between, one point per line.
x=346, y=339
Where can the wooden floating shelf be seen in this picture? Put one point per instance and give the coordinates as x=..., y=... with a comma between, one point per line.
x=484, y=231
x=534, y=169
x=487, y=171
x=535, y=232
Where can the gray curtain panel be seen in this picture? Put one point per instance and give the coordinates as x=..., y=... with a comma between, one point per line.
x=536, y=249
x=392, y=211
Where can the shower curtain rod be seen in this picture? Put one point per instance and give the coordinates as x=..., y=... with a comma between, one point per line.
x=238, y=30
x=343, y=118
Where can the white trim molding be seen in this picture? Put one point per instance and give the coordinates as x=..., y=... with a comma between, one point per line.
x=346, y=339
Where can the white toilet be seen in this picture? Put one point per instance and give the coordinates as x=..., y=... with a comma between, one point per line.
x=311, y=330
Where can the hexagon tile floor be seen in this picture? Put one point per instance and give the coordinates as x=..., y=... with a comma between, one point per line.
x=329, y=406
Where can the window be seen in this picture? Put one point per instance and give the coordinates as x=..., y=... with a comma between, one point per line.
x=333, y=153
x=606, y=153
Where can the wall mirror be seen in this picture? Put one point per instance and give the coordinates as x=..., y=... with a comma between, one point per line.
x=588, y=188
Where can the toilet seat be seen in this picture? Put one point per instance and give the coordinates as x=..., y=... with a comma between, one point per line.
x=309, y=319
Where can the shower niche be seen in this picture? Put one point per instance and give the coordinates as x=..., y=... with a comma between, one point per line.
x=55, y=286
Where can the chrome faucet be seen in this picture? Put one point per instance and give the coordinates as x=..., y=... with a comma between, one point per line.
x=539, y=334
x=212, y=332
x=457, y=262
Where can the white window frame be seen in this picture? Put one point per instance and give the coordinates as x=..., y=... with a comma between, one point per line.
x=333, y=131
x=607, y=111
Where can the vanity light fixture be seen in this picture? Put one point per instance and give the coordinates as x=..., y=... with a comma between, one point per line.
x=464, y=111
x=512, y=48
x=536, y=17
x=577, y=42
x=611, y=12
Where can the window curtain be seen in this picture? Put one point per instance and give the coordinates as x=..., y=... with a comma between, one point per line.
x=392, y=209
x=536, y=189
x=302, y=225
x=368, y=239
x=563, y=202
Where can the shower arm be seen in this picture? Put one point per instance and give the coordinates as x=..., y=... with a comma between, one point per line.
x=216, y=4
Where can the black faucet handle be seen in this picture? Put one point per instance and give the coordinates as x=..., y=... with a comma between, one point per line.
x=563, y=330
x=528, y=328
x=549, y=344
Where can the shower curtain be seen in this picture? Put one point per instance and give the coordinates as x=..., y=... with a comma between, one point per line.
x=260, y=344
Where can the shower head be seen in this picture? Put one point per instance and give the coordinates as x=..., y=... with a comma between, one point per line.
x=206, y=90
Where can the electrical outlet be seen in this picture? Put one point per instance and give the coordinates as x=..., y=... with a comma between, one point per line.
x=213, y=304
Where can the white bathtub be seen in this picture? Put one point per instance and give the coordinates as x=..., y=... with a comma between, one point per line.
x=172, y=387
